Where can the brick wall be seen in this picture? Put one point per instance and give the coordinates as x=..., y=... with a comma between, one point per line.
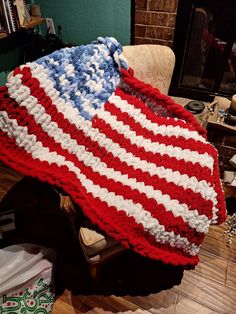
x=154, y=21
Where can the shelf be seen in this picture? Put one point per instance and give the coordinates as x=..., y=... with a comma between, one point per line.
x=2, y=35
x=34, y=22
x=213, y=120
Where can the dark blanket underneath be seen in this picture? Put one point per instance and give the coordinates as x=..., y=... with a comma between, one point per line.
x=38, y=219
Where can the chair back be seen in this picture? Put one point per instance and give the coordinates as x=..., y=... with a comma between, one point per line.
x=153, y=64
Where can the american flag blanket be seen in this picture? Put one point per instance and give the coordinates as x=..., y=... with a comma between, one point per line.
x=136, y=162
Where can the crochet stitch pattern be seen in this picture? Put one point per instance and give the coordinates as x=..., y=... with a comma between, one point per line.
x=79, y=119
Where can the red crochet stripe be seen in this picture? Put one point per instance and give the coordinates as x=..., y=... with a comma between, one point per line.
x=23, y=118
x=35, y=85
x=157, y=250
x=165, y=160
x=41, y=96
x=171, y=222
x=155, y=94
x=158, y=211
x=192, y=169
x=193, y=200
x=46, y=102
x=111, y=224
x=187, y=196
x=179, y=141
x=150, y=115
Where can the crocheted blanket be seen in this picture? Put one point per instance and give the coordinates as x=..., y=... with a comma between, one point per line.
x=136, y=162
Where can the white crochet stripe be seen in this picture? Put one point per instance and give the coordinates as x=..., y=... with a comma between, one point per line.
x=162, y=149
x=141, y=118
x=135, y=210
x=42, y=75
x=113, y=147
x=153, y=105
x=198, y=222
x=86, y=106
x=205, y=160
x=72, y=114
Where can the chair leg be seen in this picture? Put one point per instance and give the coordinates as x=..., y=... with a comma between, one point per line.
x=93, y=270
x=95, y=273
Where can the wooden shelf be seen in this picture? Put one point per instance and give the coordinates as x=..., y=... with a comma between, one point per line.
x=223, y=103
x=34, y=22
x=2, y=35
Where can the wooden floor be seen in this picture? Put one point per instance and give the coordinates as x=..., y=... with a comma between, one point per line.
x=210, y=288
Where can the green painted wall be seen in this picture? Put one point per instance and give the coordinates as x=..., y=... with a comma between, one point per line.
x=84, y=20
x=81, y=20
x=9, y=57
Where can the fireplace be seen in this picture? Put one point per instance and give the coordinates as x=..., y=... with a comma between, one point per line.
x=205, y=48
x=203, y=39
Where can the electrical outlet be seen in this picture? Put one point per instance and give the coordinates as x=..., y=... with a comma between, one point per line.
x=50, y=25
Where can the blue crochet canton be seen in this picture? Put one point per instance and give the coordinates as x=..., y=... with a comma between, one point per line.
x=86, y=75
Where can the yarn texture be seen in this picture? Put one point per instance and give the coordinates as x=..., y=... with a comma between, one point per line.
x=79, y=119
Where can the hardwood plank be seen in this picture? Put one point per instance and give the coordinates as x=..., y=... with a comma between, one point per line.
x=67, y=303
x=187, y=306
x=3, y=35
x=163, y=302
x=61, y=307
x=231, y=275
x=212, y=267
x=207, y=292
x=110, y=304
x=216, y=231
x=75, y=301
x=219, y=248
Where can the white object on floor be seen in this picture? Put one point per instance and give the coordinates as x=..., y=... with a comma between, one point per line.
x=233, y=160
x=23, y=263
x=230, y=177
